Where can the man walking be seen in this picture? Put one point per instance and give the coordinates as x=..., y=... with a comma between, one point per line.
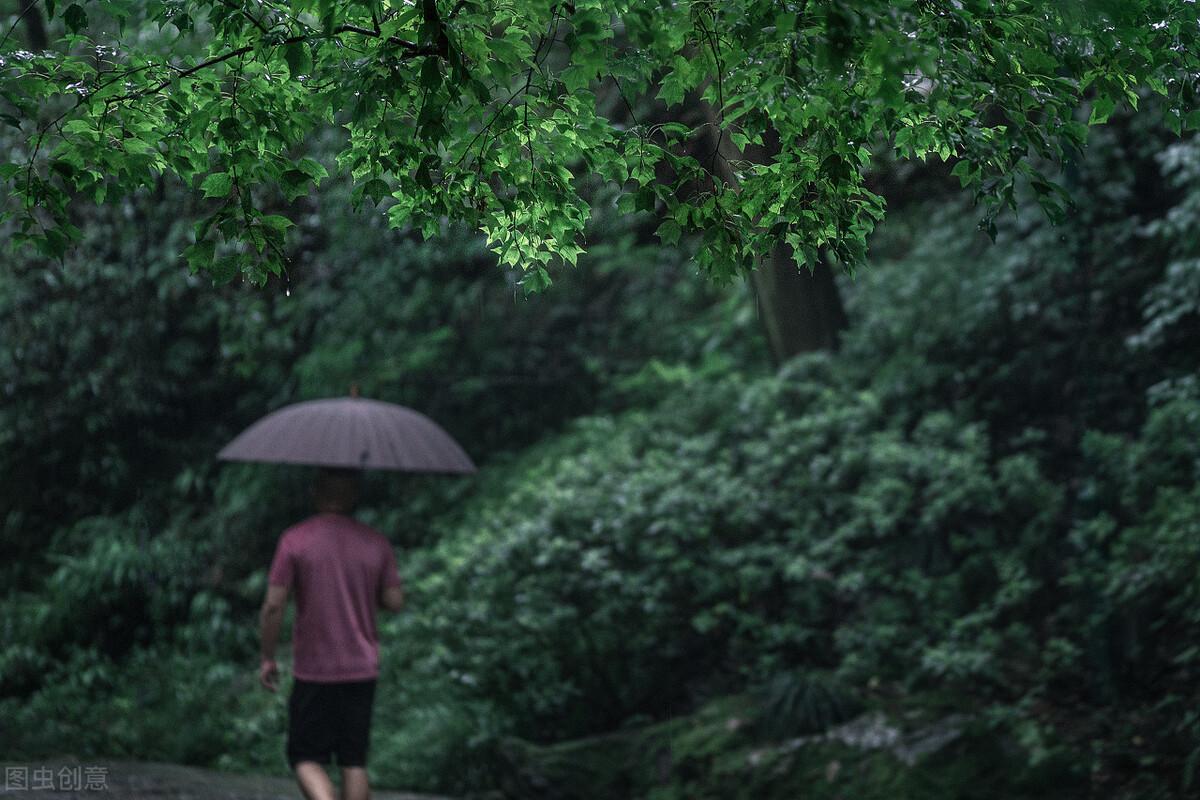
x=341, y=571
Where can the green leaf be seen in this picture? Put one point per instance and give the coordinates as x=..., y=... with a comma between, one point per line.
x=217, y=184
x=298, y=58
x=376, y=189
x=675, y=129
x=431, y=74
x=672, y=90
x=275, y=222
x=668, y=232
x=964, y=171
x=199, y=255
x=313, y=169
x=294, y=183
x=1174, y=122
x=225, y=269
x=75, y=18
x=1102, y=108
x=230, y=130
x=576, y=77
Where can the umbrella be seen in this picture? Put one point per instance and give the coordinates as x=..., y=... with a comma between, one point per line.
x=351, y=432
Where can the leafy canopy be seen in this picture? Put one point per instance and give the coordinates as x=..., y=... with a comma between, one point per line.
x=746, y=122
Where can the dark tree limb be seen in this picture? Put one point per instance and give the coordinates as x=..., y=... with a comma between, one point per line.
x=34, y=25
x=29, y=13
x=411, y=51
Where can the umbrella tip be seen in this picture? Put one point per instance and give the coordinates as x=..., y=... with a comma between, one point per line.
x=354, y=390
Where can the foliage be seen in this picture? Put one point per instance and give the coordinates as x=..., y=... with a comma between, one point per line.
x=800, y=703
x=687, y=520
x=433, y=326
x=985, y=502
x=507, y=116
x=134, y=562
x=938, y=509
x=1133, y=563
x=120, y=371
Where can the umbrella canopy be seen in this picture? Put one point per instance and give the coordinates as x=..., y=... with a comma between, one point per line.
x=351, y=432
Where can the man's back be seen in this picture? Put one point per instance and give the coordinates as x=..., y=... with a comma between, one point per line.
x=337, y=569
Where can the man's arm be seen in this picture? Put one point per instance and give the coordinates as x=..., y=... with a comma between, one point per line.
x=392, y=597
x=270, y=620
x=391, y=594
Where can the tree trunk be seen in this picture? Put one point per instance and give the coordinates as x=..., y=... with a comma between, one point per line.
x=35, y=26
x=801, y=311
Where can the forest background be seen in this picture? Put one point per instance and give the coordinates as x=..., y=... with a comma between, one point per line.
x=962, y=514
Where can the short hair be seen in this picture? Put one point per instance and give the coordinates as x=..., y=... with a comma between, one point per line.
x=336, y=488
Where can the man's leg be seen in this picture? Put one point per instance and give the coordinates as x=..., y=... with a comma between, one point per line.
x=309, y=740
x=354, y=738
x=314, y=782
x=354, y=784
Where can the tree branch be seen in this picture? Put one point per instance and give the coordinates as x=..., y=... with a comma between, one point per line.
x=414, y=50
x=37, y=29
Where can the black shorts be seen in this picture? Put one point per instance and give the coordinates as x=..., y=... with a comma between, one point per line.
x=330, y=719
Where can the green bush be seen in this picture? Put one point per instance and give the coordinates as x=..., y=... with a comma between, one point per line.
x=737, y=530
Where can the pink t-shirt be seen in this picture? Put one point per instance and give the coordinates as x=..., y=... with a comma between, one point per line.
x=337, y=568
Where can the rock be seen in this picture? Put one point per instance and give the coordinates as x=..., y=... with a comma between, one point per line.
x=873, y=731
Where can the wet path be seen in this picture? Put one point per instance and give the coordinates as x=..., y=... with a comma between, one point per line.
x=60, y=779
